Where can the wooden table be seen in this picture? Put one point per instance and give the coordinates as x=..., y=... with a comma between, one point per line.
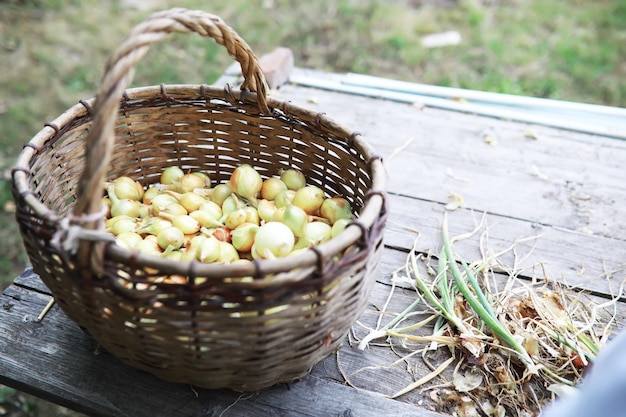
x=565, y=191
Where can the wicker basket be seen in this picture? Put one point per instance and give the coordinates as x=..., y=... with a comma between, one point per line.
x=215, y=330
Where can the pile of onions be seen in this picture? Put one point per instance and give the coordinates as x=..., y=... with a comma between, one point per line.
x=184, y=218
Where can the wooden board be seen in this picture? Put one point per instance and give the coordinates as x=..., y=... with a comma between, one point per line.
x=558, y=197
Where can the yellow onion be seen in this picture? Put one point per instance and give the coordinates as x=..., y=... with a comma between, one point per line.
x=246, y=182
x=128, y=240
x=271, y=187
x=205, y=218
x=266, y=209
x=235, y=218
x=284, y=198
x=339, y=226
x=190, y=182
x=209, y=250
x=190, y=200
x=127, y=188
x=335, y=208
x=148, y=246
x=309, y=198
x=160, y=201
x=185, y=223
x=315, y=233
x=227, y=253
x=150, y=193
x=206, y=179
x=153, y=225
x=172, y=209
x=214, y=209
x=274, y=239
x=293, y=217
x=122, y=206
x=230, y=204
x=293, y=179
x=171, y=175
x=192, y=249
x=170, y=237
x=242, y=238
x=120, y=224
x=220, y=193
x=252, y=215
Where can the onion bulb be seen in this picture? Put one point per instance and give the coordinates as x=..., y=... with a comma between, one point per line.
x=246, y=182
x=315, y=233
x=170, y=236
x=271, y=187
x=274, y=239
x=242, y=238
x=293, y=179
x=294, y=217
x=309, y=198
x=335, y=208
x=171, y=175
x=190, y=182
x=220, y=193
x=127, y=188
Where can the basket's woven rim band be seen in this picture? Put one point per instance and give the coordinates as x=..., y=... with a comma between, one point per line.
x=118, y=74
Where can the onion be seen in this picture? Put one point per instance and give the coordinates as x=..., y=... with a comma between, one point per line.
x=205, y=218
x=235, y=218
x=252, y=215
x=271, y=187
x=186, y=224
x=153, y=225
x=127, y=188
x=160, y=201
x=293, y=179
x=335, y=208
x=150, y=193
x=220, y=193
x=148, y=246
x=209, y=250
x=284, y=198
x=192, y=249
x=190, y=182
x=222, y=233
x=339, y=226
x=171, y=175
x=120, y=224
x=309, y=198
x=128, y=240
x=243, y=236
x=172, y=209
x=170, y=236
x=246, y=182
x=315, y=233
x=227, y=253
x=206, y=179
x=266, y=209
x=293, y=217
x=274, y=239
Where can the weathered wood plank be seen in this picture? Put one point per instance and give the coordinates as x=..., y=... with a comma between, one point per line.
x=590, y=262
x=55, y=360
x=563, y=178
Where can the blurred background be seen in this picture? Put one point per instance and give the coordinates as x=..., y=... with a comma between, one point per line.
x=52, y=54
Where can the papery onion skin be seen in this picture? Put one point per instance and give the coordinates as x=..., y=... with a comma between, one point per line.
x=271, y=187
x=171, y=175
x=309, y=199
x=274, y=237
x=246, y=182
x=293, y=179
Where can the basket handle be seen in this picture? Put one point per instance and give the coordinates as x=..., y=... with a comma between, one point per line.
x=118, y=74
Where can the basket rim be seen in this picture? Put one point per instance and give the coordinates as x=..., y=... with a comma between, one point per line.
x=373, y=208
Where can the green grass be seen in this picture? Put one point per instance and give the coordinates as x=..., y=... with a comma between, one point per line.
x=52, y=53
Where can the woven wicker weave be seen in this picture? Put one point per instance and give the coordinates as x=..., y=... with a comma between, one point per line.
x=214, y=329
